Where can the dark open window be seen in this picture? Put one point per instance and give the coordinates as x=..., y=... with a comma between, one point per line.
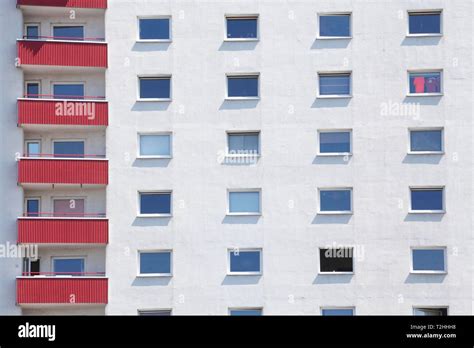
x=336, y=260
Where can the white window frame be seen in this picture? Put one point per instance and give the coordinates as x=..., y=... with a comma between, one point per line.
x=230, y=309
x=336, y=212
x=336, y=308
x=259, y=213
x=169, y=17
x=430, y=307
x=154, y=275
x=335, y=96
x=81, y=24
x=333, y=154
x=336, y=273
x=238, y=250
x=242, y=75
x=442, y=211
x=421, y=129
x=80, y=257
x=31, y=24
x=323, y=14
x=83, y=83
x=242, y=16
x=27, y=82
x=170, y=310
x=25, y=205
x=418, y=71
x=445, y=249
x=28, y=141
x=156, y=77
x=69, y=140
x=170, y=192
x=436, y=11
x=140, y=156
x=249, y=132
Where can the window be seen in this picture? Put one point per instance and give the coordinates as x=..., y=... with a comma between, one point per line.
x=427, y=200
x=155, y=88
x=242, y=27
x=334, y=142
x=335, y=26
x=244, y=202
x=68, y=32
x=335, y=201
x=69, y=207
x=334, y=84
x=32, y=31
x=155, y=263
x=69, y=266
x=33, y=148
x=32, y=89
x=154, y=29
x=425, y=83
x=242, y=86
x=336, y=260
x=245, y=262
x=243, y=144
x=155, y=145
x=426, y=141
x=238, y=312
x=428, y=260
x=430, y=311
x=337, y=311
x=424, y=23
x=68, y=90
x=154, y=312
x=154, y=204
x=32, y=207
x=68, y=148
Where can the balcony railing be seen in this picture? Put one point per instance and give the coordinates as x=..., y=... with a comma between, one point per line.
x=54, y=288
x=98, y=4
x=63, y=169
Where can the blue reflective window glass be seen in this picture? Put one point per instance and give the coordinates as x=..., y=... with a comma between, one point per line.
x=334, y=84
x=155, y=263
x=68, y=32
x=32, y=207
x=245, y=312
x=244, y=202
x=428, y=260
x=155, y=145
x=334, y=142
x=155, y=203
x=155, y=88
x=335, y=200
x=32, y=90
x=69, y=149
x=32, y=32
x=338, y=311
x=245, y=261
x=68, y=91
x=242, y=86
x=430, y=311
x=425, y=23
x=243, y=143
x=426, y=140
x=33, y=149
x=425, y=82
x=335, y=25
x=426, y=199
x=68, y=266
x=241, y=28
x=154, y=29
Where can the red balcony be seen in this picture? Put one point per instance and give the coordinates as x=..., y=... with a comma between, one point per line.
x=99, y=4
x=65, y=53
x=82, y=171
x=61, y=290
x=90, y=229
x=86, y=112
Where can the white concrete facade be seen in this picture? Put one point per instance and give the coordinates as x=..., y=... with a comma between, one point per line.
x=288, y=57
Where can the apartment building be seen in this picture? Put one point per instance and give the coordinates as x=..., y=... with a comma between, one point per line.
x=237, y=158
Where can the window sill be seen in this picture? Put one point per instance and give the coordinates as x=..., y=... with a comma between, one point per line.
x=229, y=155
x=153, y=157
x=425, y=153
x=241, y=98
x=429, y=272
x=423, y=35
x=154, y=100
x=155, y=275
x=335, y=213
x=244, y=273
x=334, y=154
x=424, y=94
x=427, y=211
x=241, y=40
x=334, y=96
x=335, y=273
x=333, y=37
x=155, y=41
x=244, y=214
x=154, y=215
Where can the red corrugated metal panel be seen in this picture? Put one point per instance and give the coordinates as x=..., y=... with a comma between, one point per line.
x=36, y=111
x=102, y=4
x=62, y=290
x=59, y=53
x=63, y=231
x=62, y=171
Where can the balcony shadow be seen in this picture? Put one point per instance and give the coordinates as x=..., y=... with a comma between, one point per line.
x=421, y=41
x=241, y=220
x=422, y=159
x=321, y=219
x=238, y=46
x=241, y=280
x=151, y=163
x=150, y=46
x=149, y=221
x=332, y=160
x=151, y=281
x=424, y=217
x=333, y=279
x=430, y=100
x=330, y=103
x=425, y=278
x=151, y=106
x=238, y=104
x=321, y=44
